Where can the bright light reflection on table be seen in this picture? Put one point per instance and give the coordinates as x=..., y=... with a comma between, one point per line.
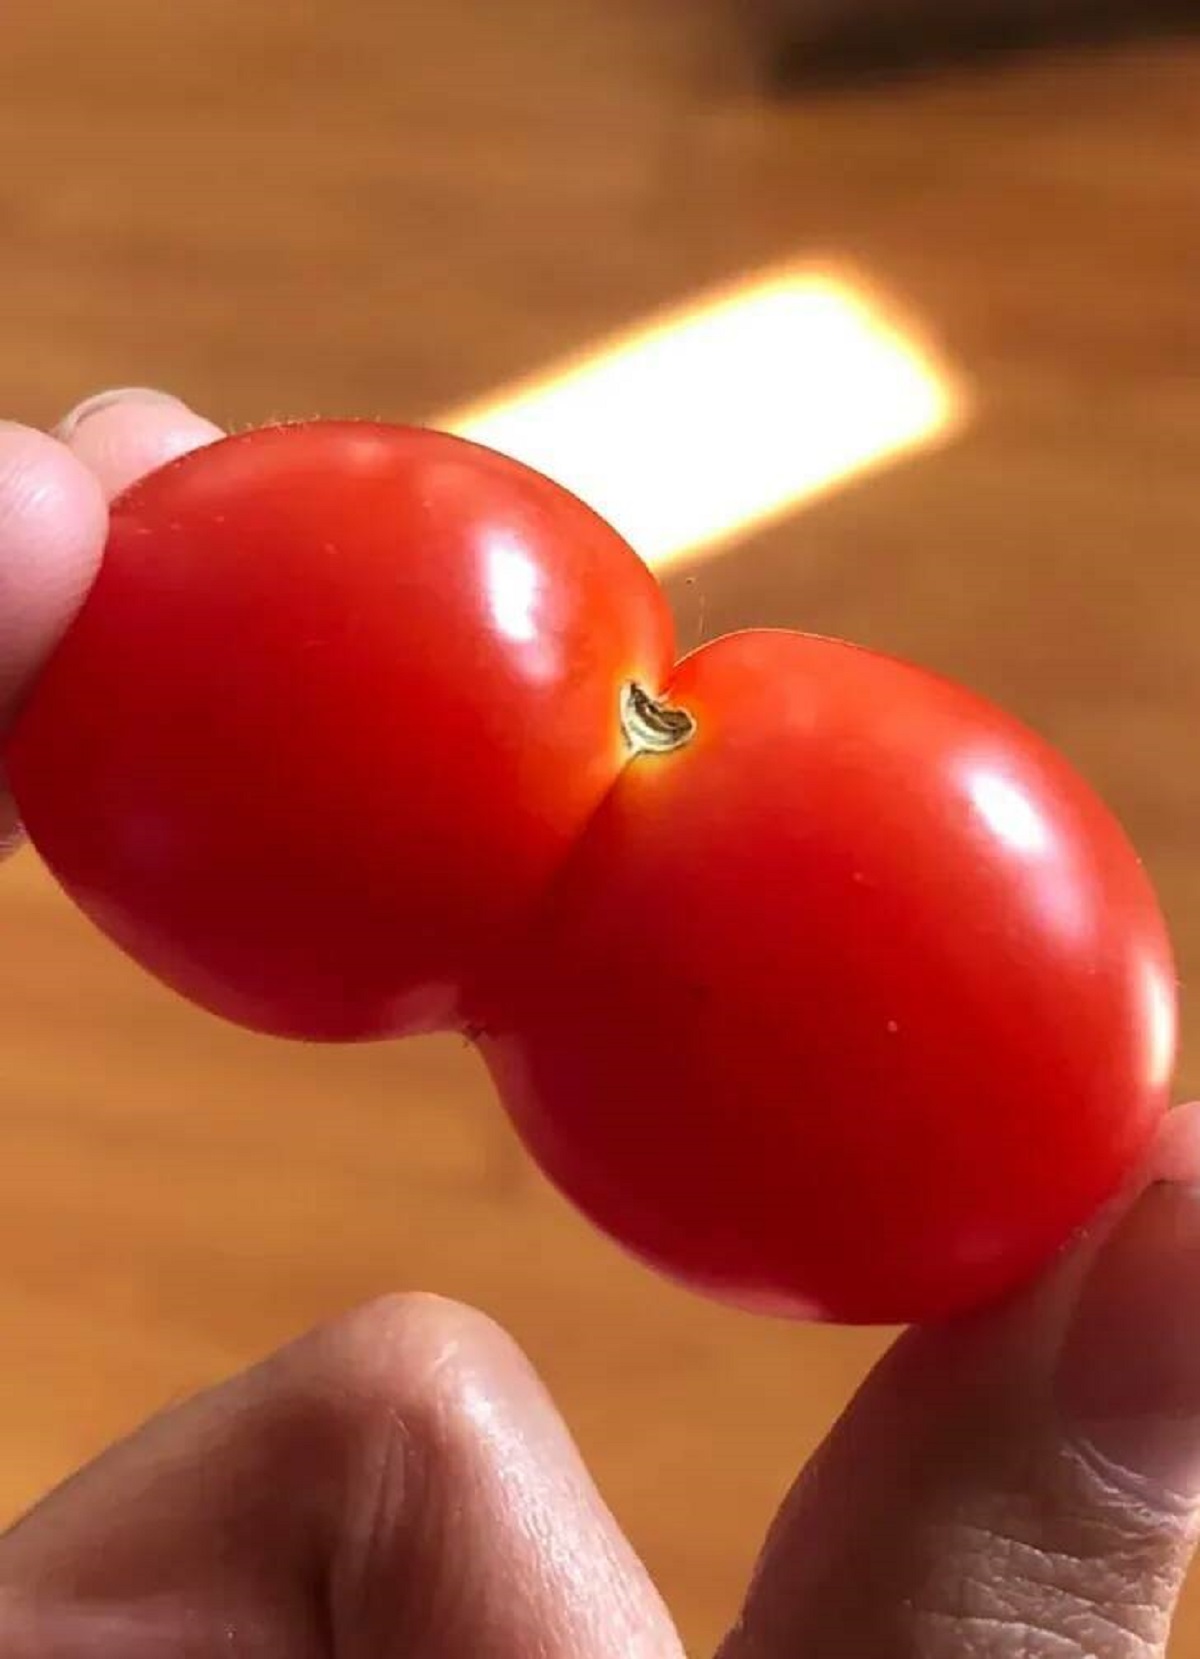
x=728, y=413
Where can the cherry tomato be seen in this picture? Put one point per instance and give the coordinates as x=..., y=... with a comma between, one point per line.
x=855, y=1004
x=341, y=699
x=814, y=980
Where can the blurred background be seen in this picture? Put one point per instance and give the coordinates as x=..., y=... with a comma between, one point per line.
x=876, y=317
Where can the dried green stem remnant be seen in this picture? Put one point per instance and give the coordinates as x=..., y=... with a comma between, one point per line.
x=652, y=727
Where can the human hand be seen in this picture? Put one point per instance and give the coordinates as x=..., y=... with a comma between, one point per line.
x=397, y=1483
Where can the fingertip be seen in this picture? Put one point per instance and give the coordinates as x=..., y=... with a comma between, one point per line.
x=1176, y=1152
x=10, y=823
x=1129, y=1375
x=53, y=520
x=123, y=435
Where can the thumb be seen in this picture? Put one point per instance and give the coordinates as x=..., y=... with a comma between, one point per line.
x=1026, y=1483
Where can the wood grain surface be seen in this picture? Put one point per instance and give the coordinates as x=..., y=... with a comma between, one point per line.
x=274, y=210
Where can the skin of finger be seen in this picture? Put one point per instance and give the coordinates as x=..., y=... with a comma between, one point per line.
x=953, y=1512
x=53, y=521
x=10, y=824
x=396, y=1483
x=135, y=435
x=52, y=527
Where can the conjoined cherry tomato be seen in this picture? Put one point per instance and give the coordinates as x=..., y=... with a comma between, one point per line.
x=814, y=980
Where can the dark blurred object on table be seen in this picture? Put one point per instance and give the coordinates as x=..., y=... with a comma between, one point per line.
x=814, y=42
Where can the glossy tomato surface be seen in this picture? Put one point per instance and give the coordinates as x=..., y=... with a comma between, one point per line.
x=341, y=700
x=854, y=1006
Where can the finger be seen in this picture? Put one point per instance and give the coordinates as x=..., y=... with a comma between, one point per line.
x=395, y=1485
x=52, y=527
x=122, y=435
x=1027, y=1483
x=53, y=520
x=10, y=824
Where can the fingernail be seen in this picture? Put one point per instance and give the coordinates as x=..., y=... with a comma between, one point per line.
x=1129, y=1374
x=90, y=406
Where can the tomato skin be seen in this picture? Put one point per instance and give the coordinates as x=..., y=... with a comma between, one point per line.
x=855, y=1007
x=338, y=705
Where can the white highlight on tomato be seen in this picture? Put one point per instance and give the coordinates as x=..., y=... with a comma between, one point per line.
x=512, y=589
x=1015, y=820
x=1008, y=812
x=1161, y=1024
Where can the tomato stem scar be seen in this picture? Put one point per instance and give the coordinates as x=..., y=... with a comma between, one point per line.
x=651, y=726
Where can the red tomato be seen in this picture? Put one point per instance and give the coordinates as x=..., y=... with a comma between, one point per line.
x=821, y=985
x=856, y=1005
x=342, y=698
